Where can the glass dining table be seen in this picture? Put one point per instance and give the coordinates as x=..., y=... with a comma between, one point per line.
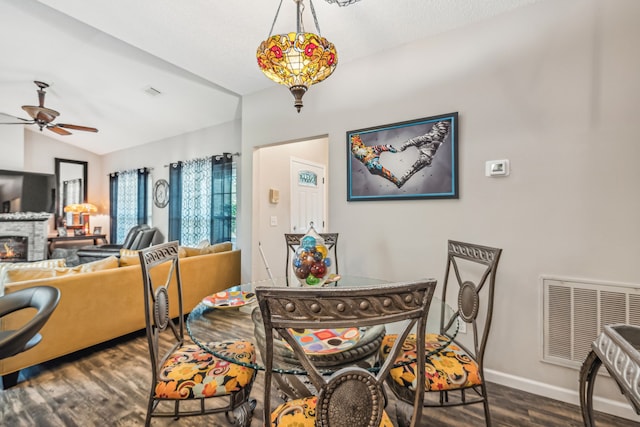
x=234, y=315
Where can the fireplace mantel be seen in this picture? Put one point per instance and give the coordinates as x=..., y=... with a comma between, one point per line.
x=24, y=216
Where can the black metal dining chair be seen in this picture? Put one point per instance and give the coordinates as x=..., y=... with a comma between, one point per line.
x=456, y=373
x=182, y=371
x=351, y=396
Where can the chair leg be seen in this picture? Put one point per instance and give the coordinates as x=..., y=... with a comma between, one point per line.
x=403, y=413
x=150, y=409
x=588, y=373
x=243, y=414
x=10, y=380
x=485, y=403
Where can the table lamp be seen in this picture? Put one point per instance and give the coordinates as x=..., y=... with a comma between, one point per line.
x=81, y=209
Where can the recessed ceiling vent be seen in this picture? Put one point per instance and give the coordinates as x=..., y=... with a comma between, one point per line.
x=152, y=91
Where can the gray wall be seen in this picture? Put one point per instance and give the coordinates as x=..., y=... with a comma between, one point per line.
x=553, y=87
x=158, y=155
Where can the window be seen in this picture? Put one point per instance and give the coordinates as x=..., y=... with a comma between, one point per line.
x=129, y=201
x=202, y=200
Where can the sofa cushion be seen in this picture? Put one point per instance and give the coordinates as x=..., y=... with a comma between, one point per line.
x=101, y=264
x=188, y=251
x=21, y=274
x=207, y=249
x=47, y=263
x=129, y=257
x=13, y=275
x=220, y=247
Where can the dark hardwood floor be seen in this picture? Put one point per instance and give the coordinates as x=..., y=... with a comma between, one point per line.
x=107, y=385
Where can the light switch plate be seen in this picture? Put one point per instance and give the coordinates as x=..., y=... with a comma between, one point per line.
x=497, y=168
x=274, y=196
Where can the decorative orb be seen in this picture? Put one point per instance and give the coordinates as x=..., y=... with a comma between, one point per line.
x=310, y=262
x=302, y=272
x=308, y=242
x=313, y=280
x=322, y=249
x=319, y=269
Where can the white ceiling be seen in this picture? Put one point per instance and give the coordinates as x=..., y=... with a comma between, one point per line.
x=100, y=56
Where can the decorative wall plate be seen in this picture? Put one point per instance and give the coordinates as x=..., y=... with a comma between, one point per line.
x=161, y=193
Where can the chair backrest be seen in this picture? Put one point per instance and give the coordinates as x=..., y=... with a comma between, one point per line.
x=143, y=239
x=131, y=235
x=352, y=396
x=293, y=241
x=44, y=299
x=160, y=275
x=472, y=270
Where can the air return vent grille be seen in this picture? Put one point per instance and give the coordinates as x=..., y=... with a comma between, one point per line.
x=576, y=310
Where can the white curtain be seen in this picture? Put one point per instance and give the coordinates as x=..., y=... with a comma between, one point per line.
x=127, y=203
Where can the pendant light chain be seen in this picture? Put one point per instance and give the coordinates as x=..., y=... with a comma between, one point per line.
x=300, y=23
x=275, y=18
x=315, y=18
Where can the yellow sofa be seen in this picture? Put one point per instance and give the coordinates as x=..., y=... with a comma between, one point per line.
x=101, y=305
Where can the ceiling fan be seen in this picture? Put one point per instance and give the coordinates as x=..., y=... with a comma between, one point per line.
x=43, y=116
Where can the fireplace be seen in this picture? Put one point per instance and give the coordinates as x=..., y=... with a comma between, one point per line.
x=14, y=248
x=32, y=225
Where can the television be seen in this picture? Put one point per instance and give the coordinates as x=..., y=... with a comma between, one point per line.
x=27, y=192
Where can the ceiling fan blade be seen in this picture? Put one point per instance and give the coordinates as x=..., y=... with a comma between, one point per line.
x=58, y=130
x=11, y=120
x=76, y=127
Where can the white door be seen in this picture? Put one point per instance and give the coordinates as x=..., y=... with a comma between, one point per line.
x=307, y=196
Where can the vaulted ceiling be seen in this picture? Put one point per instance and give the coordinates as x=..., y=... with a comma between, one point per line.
x=105, y=60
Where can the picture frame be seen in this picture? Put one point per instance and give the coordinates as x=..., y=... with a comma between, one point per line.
x=62, y=232
x=415, y=159
x=97, y=230
x=78, y=232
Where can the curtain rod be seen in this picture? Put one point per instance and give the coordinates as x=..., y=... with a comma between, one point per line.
x=127, y=170
x=213, y=155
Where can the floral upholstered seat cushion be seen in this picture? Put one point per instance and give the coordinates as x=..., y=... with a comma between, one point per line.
x=302, y=413
x=448, y=369
x=192, y=373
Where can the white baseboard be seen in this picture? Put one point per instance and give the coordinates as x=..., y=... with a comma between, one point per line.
x=619, y=409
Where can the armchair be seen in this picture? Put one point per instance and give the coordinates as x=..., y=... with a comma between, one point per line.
x=139, y=237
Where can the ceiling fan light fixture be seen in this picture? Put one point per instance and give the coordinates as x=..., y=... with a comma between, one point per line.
x=342, y=3
x=152, y=91
x=43, y=117
x=297, y=60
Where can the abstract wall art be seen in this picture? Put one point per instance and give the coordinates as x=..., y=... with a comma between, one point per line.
x=405, y=160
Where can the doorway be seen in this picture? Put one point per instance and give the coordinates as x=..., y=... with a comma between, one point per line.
x=272, y=198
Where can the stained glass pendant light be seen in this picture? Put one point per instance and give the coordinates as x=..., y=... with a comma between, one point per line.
x=297, y=60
